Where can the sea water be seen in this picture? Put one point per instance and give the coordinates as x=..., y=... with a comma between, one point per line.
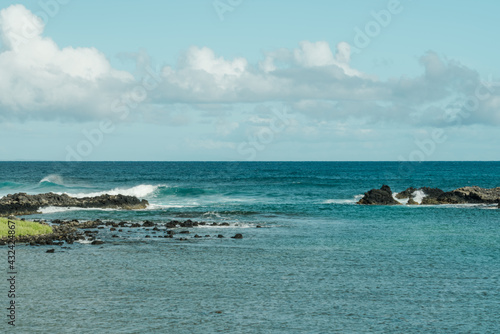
x=319, y=264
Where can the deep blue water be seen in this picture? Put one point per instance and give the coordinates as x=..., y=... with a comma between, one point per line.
x=320, y=264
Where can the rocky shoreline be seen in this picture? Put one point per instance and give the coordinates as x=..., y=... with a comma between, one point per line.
x=22, y=204
x=98, y=232
x=432, y=196
x=94, y=232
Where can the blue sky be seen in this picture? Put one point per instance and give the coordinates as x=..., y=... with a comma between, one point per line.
x=249, y=80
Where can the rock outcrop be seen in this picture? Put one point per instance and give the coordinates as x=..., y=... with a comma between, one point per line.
x=382, y=196
x=408, y=193
x=411, y=201
x=473, y=195
x=432, y=192
x=431, y=195
x=23, y=204
x=434, y=196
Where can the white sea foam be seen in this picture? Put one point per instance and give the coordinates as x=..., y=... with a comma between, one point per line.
x=56, y=209
x=84, y=241
x=243, y=225
x=491, y=207
x=139, y=191
x=170, y=206
x=468, y=206
x=212, y=213
x=231, y=226
x=343, y=201
x=402, y=201
x=418, y=196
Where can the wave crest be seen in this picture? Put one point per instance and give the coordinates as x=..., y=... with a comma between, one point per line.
x=139, y=191
x=53, y=178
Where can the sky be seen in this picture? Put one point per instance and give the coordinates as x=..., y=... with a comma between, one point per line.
x=241, y=80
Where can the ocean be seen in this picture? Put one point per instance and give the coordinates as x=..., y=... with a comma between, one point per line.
x=320, y=263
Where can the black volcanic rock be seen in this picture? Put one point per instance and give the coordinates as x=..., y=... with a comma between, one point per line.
x=473, y=195
x=382, y=196
x=408, y=193
x=432, y=192
x=411, y=201
x=435, y=196
x=23, y=204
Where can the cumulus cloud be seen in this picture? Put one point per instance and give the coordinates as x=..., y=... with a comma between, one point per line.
x=38, y=79
x=447, y=88
x=313, y=81
x=319, y=54
x=311, y=70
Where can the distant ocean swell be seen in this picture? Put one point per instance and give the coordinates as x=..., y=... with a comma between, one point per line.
x=170, y=197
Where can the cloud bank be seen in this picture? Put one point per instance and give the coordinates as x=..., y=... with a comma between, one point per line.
x=39, y=80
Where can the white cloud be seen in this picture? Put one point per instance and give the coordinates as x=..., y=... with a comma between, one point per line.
x=204, y=59
x=319, y=54
x=18, y=25
x=314, y=54
x=310, y=71
x=204, y=76
x=39, y=80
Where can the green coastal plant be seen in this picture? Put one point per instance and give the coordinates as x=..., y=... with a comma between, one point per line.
x=23, y=228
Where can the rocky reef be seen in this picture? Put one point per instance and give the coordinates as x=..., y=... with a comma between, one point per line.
x=464, y=195
x=471, y=195
x=23, y=204
x=382, y=196
x=59, y=236
x=98, y=232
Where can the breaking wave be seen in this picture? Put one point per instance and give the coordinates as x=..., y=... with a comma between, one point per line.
x=54, y=179
x=140, y=191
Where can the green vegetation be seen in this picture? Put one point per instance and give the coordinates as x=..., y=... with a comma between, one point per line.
x=23, y=228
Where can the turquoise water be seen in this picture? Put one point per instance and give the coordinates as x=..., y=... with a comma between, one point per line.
x=320, y=264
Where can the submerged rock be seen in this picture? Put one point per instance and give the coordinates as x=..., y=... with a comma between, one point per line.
x=148, y=223
x=382, y=196
x=24, y=204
